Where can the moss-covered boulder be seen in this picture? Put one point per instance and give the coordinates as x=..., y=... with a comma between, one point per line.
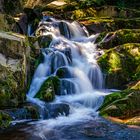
x=119, y=37
x=5, y=120
x=124, y=104
x=13, y=69
x=120, y=65
x=49, y=89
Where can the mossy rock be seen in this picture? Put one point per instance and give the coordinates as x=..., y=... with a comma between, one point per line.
x=27, y=111
x=107, y=24
x=109, y=40
x=7, y=22
x=120, y=65
x=49, y=89
x=5, y=120
x=13, y=69
x=32, y=112
x=124, y=104
x=11, y=90
x=64, y=73
x=83, y=13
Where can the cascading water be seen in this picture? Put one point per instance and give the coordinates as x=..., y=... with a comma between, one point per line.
x=73, y=51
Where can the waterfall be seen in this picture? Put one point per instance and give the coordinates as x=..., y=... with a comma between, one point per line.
x=73, y=51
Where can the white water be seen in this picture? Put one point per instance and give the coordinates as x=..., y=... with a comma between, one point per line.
x=82, y=89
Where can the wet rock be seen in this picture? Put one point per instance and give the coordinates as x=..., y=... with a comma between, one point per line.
x=55, y=63
x=68, y=54
x=21, y=25
x=67, y=87
x=64, y=72
x=64, y=30
x=44, y=41
x=58, y=109
x=27, y=112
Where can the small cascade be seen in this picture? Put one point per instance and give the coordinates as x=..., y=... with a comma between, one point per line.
x=71, y=56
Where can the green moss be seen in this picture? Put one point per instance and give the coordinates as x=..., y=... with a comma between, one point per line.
x=49, y=89
x=7, y=22
x=120, y=64
x=5, y=120
x=12, y=74
x=124, y=104
x=100, y=37
x=82, y=13
x=9, y=92
x=114, y=61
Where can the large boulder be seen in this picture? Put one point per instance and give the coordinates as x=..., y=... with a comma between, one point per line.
x=14, y=54
x=121, y=65
x=123, y=105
